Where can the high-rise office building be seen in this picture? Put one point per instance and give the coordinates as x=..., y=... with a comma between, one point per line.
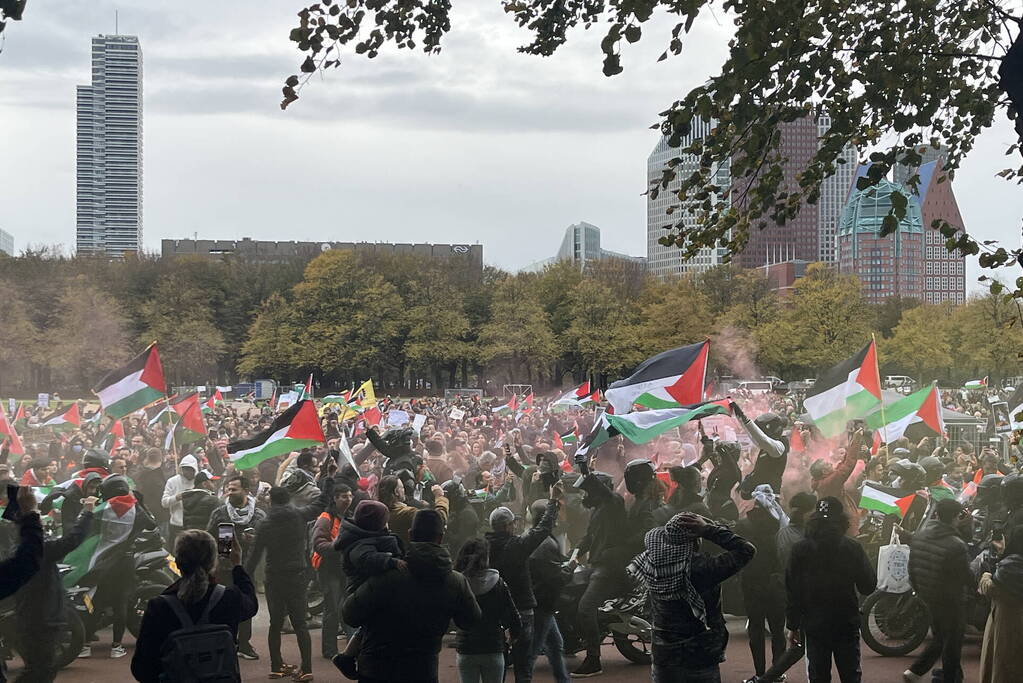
x=810, y=236
x=6, y=243
x=109, y=150
x=666, y=262
x=581, y=246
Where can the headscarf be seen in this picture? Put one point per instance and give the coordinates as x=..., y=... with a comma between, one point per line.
x=664, y=565
x=763, y=496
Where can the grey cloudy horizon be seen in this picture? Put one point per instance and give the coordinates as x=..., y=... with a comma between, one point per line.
x=476, y=144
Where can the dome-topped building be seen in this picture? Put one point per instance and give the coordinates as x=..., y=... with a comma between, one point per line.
x=892, y=265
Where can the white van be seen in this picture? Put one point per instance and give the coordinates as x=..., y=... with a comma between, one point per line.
x=898, y=381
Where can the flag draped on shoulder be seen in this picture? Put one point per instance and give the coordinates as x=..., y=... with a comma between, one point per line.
x=668, y=380
x=112, y=525
x=133, y=386
x=296, y=428
x=63, y=419
x=884, y=500
x=921, y=406
x=849, y=390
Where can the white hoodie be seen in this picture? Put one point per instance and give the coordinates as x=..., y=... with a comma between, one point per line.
x=176, y=485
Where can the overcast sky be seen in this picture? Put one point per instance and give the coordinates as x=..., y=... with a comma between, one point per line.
x=477, y=144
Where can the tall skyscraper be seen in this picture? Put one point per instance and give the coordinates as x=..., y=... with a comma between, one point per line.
x=6, y=243
x=834, y=194
x=109, y=149
x=581, y=246
x=666, y=262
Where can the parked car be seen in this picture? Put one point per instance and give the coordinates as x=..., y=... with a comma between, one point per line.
x=759, y=386
x=898, y=381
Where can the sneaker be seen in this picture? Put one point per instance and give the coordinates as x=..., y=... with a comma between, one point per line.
x=910, y=677
x=86, y=652
x=346, y=664
x=589, y=667
x=117, y=651
x=248, y=653
x=751, y=679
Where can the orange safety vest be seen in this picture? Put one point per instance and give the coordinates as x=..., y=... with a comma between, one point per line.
x=334, y=528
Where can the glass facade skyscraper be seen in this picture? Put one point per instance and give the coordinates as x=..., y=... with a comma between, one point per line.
x=109, y=150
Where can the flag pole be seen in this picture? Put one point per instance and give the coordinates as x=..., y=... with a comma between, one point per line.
x=877, y=369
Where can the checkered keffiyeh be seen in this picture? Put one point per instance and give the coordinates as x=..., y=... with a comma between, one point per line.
x=664, y=565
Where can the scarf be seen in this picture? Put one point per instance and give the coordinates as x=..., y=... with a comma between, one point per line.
x=242, y=515
x=765, y=498
x=664, y=565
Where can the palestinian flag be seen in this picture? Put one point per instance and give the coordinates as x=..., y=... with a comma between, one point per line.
x=20, y=418
x=112, y=524
x=8, y=433
x=884, y=500
x=135, y=386
x=921, y=406
x=63, y=420
x=976, y=384
x=307, y=391
x=372, y=416
x=337, y=398
x=850, y=390
x=160, y=413
x=217, y=399
x=115, y=437
x=573, y=398
x=525, y=408
x=668, y=380
x=191, y=427
x=508, y=408
x=568, y=438
x=294, y=429
x=647, y=425
x=597, y=436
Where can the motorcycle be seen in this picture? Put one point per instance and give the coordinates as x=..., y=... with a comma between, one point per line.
x=154, y=571
x=70, y=639
x=895, y=624
x=625, y=619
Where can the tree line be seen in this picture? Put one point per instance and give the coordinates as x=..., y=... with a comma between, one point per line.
x=429, y=324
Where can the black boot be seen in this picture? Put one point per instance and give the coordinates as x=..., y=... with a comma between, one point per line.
x=589, y=667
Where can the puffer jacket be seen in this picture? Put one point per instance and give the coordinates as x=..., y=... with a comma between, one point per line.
x=939, y=563
x=405, y=615
x=498, y=614
x=366, y=553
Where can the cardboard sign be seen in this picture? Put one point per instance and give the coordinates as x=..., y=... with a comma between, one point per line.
x=417, y=423
x=457, y=414
x=397, y=418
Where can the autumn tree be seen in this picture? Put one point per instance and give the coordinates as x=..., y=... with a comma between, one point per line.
x=18, y=334
x=518, y=342
x=921, y=344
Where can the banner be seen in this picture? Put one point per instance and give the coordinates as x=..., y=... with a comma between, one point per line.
x=457, y=414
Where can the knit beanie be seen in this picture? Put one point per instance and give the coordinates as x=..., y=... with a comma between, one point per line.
x=427, y=525
x=371, y=515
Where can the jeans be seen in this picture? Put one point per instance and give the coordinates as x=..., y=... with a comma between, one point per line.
x=764, y=606
x=947, y=624
x=522, y=654
x=286, y=597
x=843, y=645
x=662, y=673
x=604, y=584
x=547, y=637
x=225, y=577
x=488, y=668
x=332, y=586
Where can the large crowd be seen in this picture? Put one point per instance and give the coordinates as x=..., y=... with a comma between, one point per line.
x=483, y=523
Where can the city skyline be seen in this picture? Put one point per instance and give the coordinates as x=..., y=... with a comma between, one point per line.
x=223, y=161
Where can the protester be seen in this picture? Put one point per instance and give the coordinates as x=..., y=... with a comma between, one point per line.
x=40, y=603
x=825, y=571
x=198, y=504
x=200, y=596
x=689, y=632
x=391, y=492
x=404, y=614
x=939, y=570
x=550, y=573
x=24, y=562
x=327, y=563
x=282, y=537
x=1001, y=657
x=481, y=648
x=174, y=492
x=241, y=511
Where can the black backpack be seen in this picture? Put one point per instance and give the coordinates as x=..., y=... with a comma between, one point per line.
x=199, y=652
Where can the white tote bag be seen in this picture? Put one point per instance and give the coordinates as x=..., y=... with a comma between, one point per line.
x=893, y=566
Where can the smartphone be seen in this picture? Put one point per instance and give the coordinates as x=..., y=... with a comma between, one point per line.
x=12, y=509
x=225, y=538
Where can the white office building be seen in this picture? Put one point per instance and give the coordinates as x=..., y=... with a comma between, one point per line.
x=666, y=262
x=834, y=195
x=109, y=150
x=6, y=243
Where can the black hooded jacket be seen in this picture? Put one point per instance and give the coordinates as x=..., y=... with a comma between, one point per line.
x=405, y=615
x=498, y=615
x=821, y=581
x=41, y=601
x=283, y=534
x=366, y=553
x=939, y=563
x=509, y=555
x=604, y=542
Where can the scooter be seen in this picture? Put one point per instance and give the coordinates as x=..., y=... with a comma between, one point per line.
x=70, y=638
